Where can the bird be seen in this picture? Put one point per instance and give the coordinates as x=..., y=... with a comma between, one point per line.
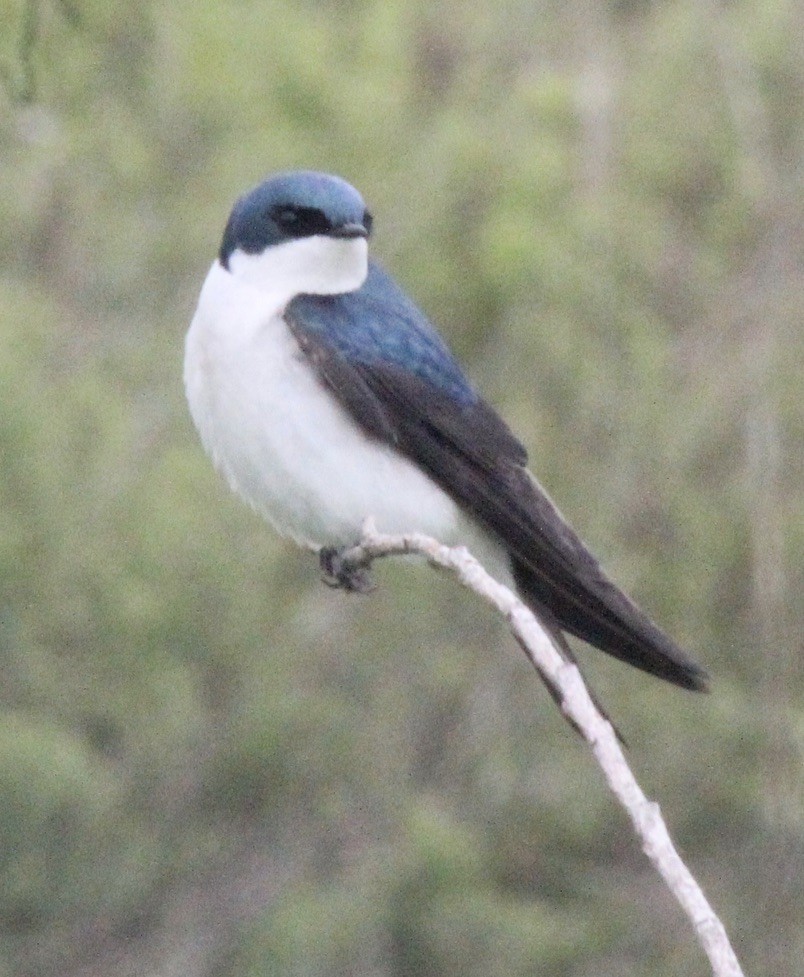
x=325, y=396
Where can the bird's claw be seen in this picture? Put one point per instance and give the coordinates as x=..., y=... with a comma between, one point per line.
x=341, y=573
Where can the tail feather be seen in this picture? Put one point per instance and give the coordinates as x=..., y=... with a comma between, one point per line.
x=625, y=632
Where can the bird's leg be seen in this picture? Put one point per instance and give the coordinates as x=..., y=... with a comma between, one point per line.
x=339, y=572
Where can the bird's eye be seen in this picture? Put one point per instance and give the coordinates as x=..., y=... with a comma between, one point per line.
x=301, y=221
x=286, y=217
x=368, y=220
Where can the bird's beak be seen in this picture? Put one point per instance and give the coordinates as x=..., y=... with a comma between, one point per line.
x=349, y=231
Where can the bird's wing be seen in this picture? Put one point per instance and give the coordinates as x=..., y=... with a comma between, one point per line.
x=469, y=451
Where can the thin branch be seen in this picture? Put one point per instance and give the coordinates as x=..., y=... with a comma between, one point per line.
x=579, y=709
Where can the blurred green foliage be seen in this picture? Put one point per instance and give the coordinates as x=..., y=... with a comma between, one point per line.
x=210, y=763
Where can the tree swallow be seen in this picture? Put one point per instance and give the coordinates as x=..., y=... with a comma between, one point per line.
x=324, y=396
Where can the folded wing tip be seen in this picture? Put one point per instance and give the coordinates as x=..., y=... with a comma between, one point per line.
x=697, y=679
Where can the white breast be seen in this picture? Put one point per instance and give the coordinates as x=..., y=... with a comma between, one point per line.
x=280, y=438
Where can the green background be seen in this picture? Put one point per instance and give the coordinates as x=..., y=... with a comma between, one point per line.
x=212, y=765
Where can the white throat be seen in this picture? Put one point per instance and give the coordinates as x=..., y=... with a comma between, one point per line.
x=316, y=265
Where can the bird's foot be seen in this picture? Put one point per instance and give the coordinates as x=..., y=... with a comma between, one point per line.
x=336, y=571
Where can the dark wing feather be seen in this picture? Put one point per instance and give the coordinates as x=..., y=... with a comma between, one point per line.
x=469, y=451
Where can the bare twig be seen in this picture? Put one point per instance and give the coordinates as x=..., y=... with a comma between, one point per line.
x=578, y=707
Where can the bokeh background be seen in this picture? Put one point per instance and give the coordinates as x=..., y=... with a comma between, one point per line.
x=213, y=766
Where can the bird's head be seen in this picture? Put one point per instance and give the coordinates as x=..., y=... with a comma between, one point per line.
x=301, y=231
